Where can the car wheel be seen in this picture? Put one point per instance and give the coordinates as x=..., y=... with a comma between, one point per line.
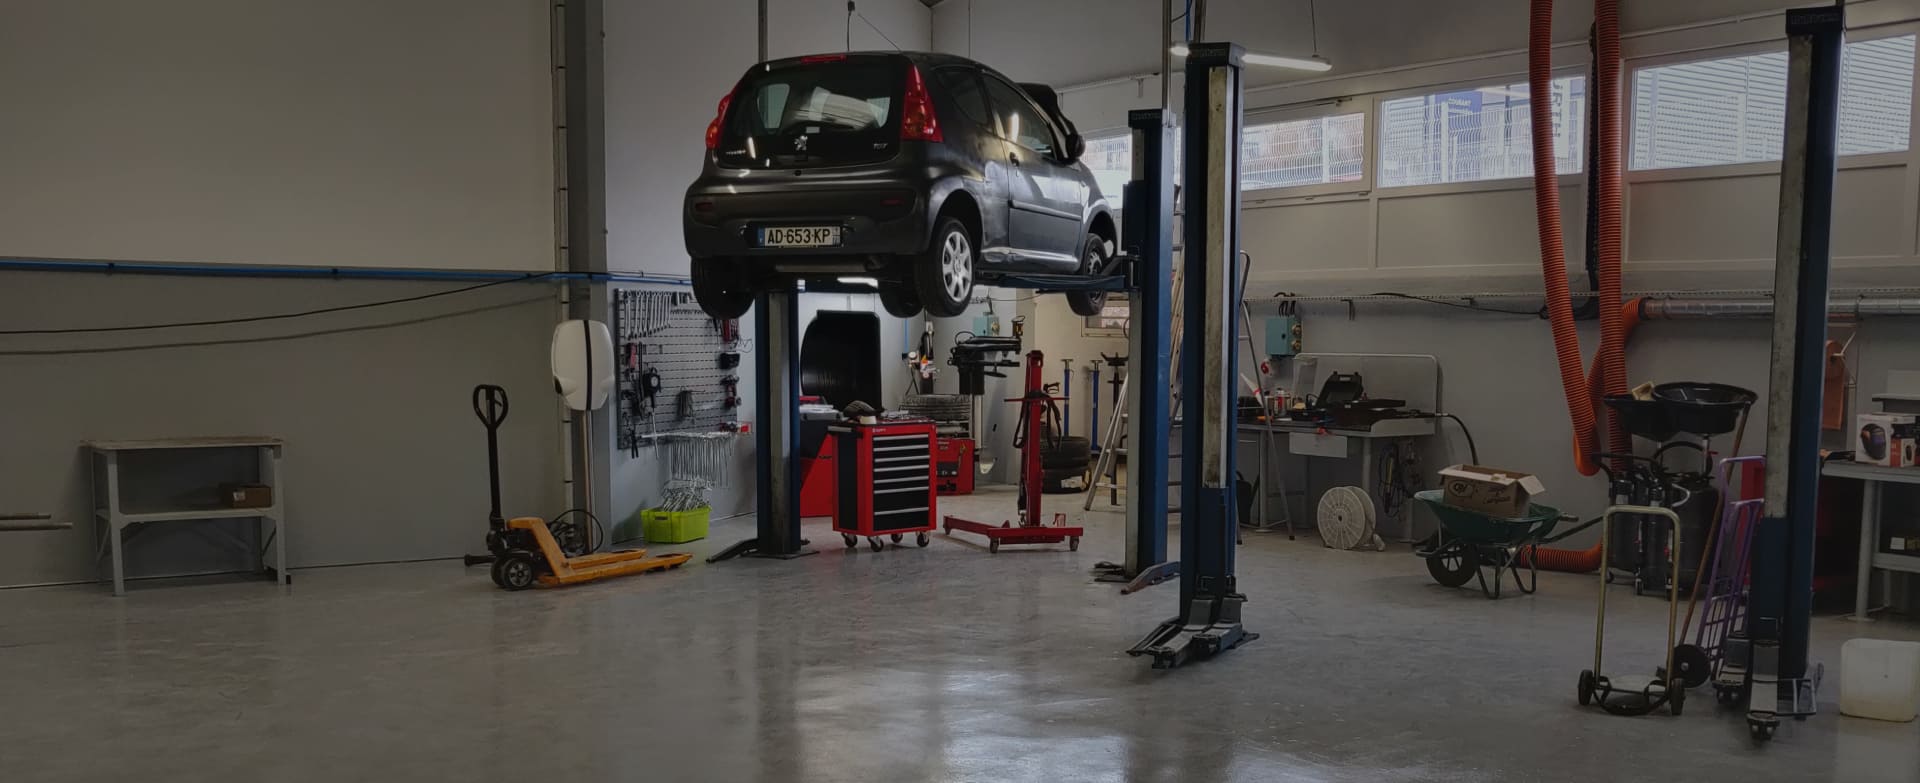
x=943, y=277
x=1093, y=261
x=899, y=301
x=722, y=288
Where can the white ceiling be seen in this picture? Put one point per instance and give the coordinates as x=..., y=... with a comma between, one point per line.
x=1077, y=41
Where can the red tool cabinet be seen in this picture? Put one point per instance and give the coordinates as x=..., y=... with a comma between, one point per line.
x=885, y=483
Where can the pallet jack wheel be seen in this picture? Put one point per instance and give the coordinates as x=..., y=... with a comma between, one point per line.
x=494, y=571
x=1676, y=694
x=852, y=541
x=922, y=538
x=1694, y=665
x=876, y=543
x=1586, y=687
x=516, y=571
x=897, y=537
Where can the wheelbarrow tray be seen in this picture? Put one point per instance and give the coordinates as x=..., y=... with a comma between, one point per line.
x=1477, y=528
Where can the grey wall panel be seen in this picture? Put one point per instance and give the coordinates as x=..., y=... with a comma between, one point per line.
x=384, y=458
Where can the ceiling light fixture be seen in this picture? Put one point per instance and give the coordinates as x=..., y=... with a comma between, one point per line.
x=1315, y=63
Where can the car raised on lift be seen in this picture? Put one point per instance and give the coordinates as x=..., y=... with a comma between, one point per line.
x=924, y=173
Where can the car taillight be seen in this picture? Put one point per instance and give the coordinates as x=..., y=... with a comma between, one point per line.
x=720, y=116
x=917, y=120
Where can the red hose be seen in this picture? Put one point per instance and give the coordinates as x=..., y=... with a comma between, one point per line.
x=1553, y=260
x=1581, y=561
x=1612, y=357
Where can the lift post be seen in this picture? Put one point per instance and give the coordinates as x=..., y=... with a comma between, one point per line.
x=776, y=364
x=1147, y=237
x=1782, y=593
x=1210, y=601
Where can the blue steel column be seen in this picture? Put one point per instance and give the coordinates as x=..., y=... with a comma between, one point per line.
x=1783, y=545
x=1210, y=264
x=1149, y=239
x=776, y=367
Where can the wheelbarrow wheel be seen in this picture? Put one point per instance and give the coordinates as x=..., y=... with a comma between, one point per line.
x=1454, y=565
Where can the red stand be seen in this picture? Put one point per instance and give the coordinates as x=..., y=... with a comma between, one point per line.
x=1029, y=529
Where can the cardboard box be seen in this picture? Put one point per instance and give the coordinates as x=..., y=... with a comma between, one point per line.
x=1500, y=493
x=1884, y=439
x=246, y=495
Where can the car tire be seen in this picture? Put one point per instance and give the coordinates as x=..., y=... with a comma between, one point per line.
x=899, y=301
x=722, y=288
x=944, y=275
x=1093, y=260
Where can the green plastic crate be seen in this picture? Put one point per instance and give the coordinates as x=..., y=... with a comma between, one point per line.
x=675, y=527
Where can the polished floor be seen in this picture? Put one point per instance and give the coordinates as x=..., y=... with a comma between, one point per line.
x=937, y=664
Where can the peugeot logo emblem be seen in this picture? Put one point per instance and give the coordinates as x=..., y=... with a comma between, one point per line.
x=800, y=144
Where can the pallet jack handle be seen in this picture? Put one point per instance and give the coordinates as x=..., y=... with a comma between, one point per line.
x=490, y=405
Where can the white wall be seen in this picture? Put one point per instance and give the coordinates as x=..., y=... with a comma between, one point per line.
x=1690, y=230
x=412, y=134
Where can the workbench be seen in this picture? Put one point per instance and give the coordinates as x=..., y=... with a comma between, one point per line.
x=1872, y=478
x=1310, y=441
x=124, y=508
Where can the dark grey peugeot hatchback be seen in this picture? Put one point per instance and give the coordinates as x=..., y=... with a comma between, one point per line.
x=927, y=173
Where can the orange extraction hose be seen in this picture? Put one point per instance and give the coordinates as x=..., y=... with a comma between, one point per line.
x=1582, y=391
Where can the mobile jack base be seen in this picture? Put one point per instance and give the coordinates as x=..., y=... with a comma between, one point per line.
x=1212, y=627
x=751, y=548
x=1133, y=583
x=1009, y=533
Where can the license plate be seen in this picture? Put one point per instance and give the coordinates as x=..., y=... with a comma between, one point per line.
x=800, y=236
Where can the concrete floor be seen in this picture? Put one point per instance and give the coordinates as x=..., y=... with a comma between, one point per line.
x=938, y=664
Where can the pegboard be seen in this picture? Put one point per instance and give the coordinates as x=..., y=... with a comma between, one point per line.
x=691, y=363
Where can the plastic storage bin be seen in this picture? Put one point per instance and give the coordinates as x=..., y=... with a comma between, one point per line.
x=1880, y=679
x=675, y=527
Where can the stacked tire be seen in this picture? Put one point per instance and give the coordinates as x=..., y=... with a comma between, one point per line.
x=1063, y=464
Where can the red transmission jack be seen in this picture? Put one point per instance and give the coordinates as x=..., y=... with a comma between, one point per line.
x=1029, y=529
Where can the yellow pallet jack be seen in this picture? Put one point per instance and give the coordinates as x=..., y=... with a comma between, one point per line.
x=528, y=551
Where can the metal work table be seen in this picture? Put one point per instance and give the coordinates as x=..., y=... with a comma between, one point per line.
x=1871, y=478
x=119, y=523
x=1308, y=440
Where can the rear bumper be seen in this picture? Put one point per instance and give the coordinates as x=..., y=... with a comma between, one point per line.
x=725, y=224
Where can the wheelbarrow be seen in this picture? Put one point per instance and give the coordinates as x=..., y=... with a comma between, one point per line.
x=1469, y=543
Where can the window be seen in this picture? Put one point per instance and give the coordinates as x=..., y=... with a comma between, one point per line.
x=1318, y=151
x=1733, y=109
x=1478, y=134
x=1110, y=158
x=1021, y=121
x=962, y=86
x=837, y=113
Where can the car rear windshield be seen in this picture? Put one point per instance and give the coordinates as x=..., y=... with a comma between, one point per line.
x=839, y=112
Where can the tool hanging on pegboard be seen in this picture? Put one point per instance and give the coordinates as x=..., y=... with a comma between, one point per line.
x=667, y=348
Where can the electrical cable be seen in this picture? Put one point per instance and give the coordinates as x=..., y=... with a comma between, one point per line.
x=592, y=544
x=876, y=29
x=274, y=338
x=1540, y=313
x=1473, y=451
x=273, y=317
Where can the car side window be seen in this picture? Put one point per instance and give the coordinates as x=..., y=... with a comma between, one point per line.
x=962, y=86
x=1020, y=121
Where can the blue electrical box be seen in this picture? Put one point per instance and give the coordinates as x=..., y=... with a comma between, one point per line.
x=1283, y=335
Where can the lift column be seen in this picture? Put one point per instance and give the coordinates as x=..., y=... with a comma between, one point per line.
x=1149, y=240
x=1210, y=602
x=1782, y=593
x=776, y=367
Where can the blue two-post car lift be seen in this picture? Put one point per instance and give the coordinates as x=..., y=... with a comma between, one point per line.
x=1209, y=611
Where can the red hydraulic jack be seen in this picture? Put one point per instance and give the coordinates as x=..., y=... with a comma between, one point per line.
x=1033, y=411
